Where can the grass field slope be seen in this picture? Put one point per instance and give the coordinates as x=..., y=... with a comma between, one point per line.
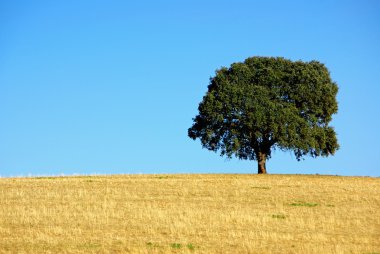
x=190, y=214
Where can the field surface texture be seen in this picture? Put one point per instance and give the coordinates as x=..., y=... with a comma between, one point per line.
x=190, y=214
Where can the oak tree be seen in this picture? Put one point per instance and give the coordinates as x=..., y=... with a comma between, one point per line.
x=264, y=103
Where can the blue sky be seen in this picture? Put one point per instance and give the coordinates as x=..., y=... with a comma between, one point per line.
x=109, y=87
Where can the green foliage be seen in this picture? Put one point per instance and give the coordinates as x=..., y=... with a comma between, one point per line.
x=153, y=245
x=266, y=103
x=304, y=204
x=190, y=246
x=278, y=216
x=176, y=245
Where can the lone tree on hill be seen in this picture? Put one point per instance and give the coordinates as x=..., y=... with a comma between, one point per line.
x=266, y=103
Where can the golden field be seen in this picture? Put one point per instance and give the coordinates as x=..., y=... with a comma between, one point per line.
x=190, y=214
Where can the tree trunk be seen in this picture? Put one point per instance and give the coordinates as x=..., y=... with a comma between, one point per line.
x=261, y=168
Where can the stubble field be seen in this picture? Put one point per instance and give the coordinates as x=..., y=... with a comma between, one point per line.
x=190, y=214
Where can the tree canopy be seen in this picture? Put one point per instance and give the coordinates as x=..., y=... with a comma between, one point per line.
x=265, y=103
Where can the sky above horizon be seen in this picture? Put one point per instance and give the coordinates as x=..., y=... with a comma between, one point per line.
x=111, y=87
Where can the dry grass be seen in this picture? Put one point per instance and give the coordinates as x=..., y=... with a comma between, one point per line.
x=190, y=214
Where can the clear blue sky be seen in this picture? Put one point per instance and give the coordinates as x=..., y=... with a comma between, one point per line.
x=112, y=86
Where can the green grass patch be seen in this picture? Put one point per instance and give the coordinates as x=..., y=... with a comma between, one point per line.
x=176, y=245
x=190, y=246
x=300, y=203
x=152, y=245
x=278, y=216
